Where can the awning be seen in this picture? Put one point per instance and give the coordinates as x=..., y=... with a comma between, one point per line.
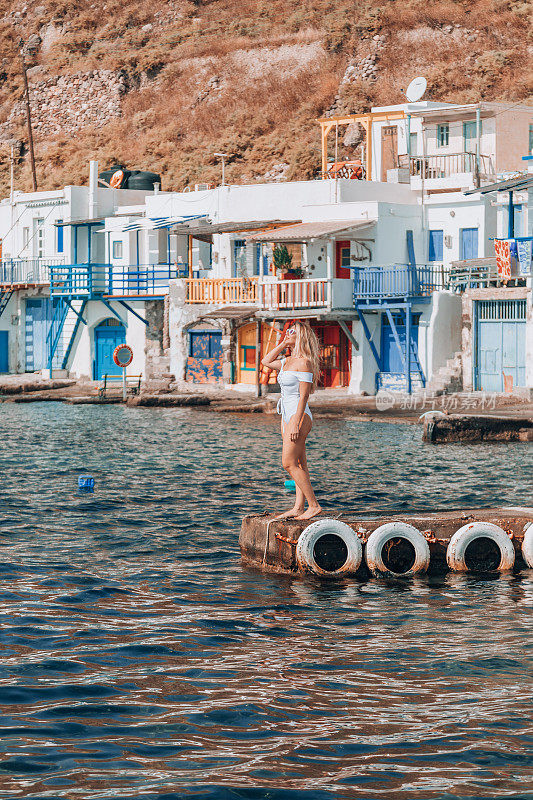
x=231, y=312
x=94, y=221
x=513, y=184
x=306, y=231
x=155, y=223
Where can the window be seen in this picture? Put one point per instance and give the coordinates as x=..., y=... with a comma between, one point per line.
x=117, y=249
x=59, y=236
x=436, y=240
x=25, y=237
x=470, y=136
x=239, y=258
x=468, y=243
x=413, y=144
x=443, y=135
x=248, y=358
x=38, y=237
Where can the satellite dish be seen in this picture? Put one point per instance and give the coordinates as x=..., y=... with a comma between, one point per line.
x=415, y=90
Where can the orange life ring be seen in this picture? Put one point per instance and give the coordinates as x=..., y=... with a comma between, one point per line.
x=117, y=179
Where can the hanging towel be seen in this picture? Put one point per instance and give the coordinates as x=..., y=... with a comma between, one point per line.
x=503, y=258
x=524, y=256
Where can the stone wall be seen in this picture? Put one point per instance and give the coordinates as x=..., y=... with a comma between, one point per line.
x=67, y=103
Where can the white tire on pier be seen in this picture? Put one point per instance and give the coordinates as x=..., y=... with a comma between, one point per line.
x=527, y=544
x=329, y=547
x=457, y=547
x=396, y=530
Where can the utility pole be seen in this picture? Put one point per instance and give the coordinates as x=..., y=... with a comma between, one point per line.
x=28, y=117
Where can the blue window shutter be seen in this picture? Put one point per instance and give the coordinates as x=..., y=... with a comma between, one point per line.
x=60, y=237
x=469, y=243
x=436, y=245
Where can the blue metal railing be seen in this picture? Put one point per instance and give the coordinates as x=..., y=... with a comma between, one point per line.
x=398, y=281
x=95, y=280
x=54, y=332
x=146, y=279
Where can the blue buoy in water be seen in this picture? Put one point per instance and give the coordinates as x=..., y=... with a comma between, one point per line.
x=86, y=483
x=290, y=485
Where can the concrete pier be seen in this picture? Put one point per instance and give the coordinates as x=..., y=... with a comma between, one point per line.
x=273, y=546
x=471, y=429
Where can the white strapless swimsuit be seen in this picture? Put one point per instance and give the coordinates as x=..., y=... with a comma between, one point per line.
x=289, y=381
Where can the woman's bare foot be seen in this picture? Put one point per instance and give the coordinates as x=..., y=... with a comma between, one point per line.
x=311, y=512
x=292, y=512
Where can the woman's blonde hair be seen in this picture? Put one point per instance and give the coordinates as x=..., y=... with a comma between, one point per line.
x=307, y=347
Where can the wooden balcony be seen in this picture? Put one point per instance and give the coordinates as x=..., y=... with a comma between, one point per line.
x=295, y=294
x=222, y=291
x=448, y=164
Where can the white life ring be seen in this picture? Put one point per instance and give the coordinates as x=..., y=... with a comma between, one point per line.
x=455, y=554
x=393, y=530
x=332, y=558
x=527, y=544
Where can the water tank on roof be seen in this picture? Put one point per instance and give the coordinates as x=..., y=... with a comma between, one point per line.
x=138, y=179
x=115, y=170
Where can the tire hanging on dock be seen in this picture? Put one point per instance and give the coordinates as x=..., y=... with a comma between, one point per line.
x=329, y=547
x=480, y=547
x=397, y=549
x=527, y=545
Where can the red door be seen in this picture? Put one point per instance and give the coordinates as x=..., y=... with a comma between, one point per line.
x=334, y=355
x=342, y=260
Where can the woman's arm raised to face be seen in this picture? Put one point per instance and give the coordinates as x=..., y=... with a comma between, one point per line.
x=271, y=359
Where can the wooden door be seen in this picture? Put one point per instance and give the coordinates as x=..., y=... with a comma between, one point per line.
x=389, y=149
x=335, y=355
x=342, y=260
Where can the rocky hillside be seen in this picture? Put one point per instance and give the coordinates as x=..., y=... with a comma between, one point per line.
x=164, y=84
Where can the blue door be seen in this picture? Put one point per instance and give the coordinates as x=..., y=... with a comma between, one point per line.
x=4, y=351
x=204, y=364
x=107, y=336
x=436, y=245
x=39, y=313
x=501, y=345
x=468, y=243
x=391, y=360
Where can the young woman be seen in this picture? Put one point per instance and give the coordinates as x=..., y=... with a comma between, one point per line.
x=297, y=377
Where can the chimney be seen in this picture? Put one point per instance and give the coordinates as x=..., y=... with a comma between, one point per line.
x=93, y=189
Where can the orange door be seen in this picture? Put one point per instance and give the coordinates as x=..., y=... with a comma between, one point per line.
x=342, y=260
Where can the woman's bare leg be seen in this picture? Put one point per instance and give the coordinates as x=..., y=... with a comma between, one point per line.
x=299, y=500
x=294, y=460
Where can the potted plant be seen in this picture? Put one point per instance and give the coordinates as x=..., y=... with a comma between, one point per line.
x=283, y=264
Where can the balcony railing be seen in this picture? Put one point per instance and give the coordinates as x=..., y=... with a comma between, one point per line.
x=27, y=270
x=88, y=280
x=399, y=281
x=143, y=280
x=222, y=291
x=445, y=165
x=294, y=294
x=480, y=273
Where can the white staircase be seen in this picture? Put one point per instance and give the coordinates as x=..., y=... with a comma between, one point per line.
x=449, y=378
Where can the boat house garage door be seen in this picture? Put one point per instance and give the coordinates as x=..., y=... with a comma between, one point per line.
x=501, y=345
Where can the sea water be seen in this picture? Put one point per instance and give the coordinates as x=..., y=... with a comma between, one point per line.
x=139, y=659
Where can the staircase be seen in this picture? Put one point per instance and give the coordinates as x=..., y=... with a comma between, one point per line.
x=62, y=332
x=448, y=379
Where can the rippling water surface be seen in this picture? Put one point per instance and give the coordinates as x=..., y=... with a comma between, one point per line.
x=139, y=660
